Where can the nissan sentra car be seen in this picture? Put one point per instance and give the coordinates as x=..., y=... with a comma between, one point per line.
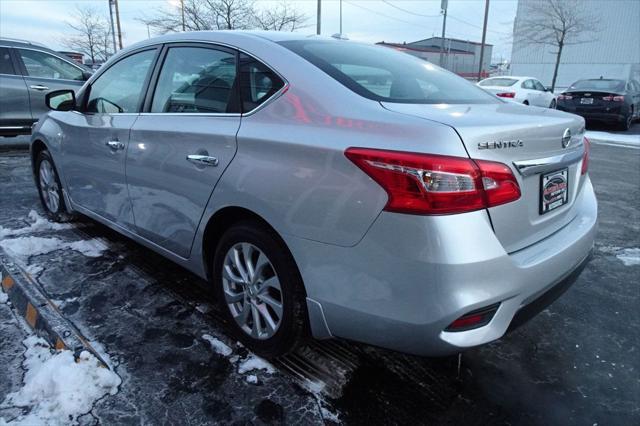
x=326, y=188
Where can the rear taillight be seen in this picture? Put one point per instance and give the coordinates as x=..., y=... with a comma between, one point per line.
x=564, y=97
x=585, y=156
x=506, y=95
x=616, y=98
x=436, y=184
x=475, y=319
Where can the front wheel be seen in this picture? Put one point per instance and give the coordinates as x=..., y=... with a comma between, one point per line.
x=260, y=289
x=553, y=104
x=50, y=188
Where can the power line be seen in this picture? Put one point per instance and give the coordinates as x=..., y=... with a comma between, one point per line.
x=383, y=15
x=408, y=11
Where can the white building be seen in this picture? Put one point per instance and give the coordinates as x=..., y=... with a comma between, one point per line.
x=615, y=52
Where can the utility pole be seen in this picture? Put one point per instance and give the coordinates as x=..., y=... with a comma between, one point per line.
x=118, y=24
x=113, y=29
x=340, y=17
x=484, y=37
x=182, y=10
x=318, y=18
x=443, y=7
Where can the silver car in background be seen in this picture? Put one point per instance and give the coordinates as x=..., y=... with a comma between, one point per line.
x=28, y=71
x=326, y=187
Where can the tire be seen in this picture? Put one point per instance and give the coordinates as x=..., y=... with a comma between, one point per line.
x=526, y=102
x=553, y=104
x=50, y=188
x=626, y=124
x=246, y=303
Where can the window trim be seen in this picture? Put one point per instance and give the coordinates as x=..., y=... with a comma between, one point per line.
x=146, y=111
x=86, y=92
x=155, y=76
x=23, y=68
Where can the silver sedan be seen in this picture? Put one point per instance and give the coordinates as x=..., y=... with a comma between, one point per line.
x=326, y=188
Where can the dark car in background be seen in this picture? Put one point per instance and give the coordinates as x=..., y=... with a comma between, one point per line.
x=611, y=101
x=28, y=71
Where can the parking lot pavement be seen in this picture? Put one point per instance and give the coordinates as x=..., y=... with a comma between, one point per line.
x=576, y=363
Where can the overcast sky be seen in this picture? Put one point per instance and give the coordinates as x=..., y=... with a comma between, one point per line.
x=44, y=21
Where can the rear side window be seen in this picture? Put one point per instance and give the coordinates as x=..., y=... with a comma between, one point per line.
x=499, y=82
x=6, y=66
x=44, y=65
x=119, y=89
x=196, y=80
x=384, y=74
x=528, y=84
x=257, y=82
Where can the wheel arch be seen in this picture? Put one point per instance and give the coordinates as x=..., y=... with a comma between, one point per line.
x=222, y=220
x=37, y=146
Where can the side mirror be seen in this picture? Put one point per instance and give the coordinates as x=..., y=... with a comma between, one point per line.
x=86, y=75
x=61, y=100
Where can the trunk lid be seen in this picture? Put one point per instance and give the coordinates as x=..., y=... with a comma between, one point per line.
x=524, y=136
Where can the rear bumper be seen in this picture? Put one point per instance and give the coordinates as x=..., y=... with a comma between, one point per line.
x=620, y=114
x=412, y=276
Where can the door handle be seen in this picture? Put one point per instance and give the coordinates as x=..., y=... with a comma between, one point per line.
x=39, y=87
x=202, y=160
x=115, y=145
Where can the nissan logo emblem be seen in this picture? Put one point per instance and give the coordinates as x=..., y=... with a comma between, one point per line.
x=566, y=138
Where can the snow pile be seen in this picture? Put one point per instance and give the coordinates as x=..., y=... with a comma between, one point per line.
x=3, y=296
x=254, y=362
x=56, y=388
x=33, y=246
x=252, y=379
x=217, y=345
x=613, y=137
x=629, y=256
x=38, y=224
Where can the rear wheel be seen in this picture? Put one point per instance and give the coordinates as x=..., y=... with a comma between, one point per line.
x=526, y=102
x=50, y=188
x=626, y=124
x=260, y=289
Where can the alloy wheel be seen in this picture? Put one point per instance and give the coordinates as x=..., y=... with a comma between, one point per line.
x=252, y=291
x=49, y=186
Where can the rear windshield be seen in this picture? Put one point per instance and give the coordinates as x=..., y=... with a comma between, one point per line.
x=384, y=74
x=501, y=82
x=602, y=85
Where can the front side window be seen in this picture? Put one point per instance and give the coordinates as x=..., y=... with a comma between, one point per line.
x=384, y=74
x=43, y=65
x=257, y=82
x=538, y=86
x=119, y=89
x=196, y=80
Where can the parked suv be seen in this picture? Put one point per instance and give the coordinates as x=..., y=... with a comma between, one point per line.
x=28, y=71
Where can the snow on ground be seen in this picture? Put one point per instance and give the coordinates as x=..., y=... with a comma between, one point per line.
x=57, y=388
x=38, y=224
x=596, y=136
x=254, y=362
x=628, y=256
x=31, y=246
x=217, y=345
x=3, y=296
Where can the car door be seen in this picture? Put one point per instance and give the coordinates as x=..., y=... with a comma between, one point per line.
x=529, y=92
x=43, y=73
x=544, y=98
x=97, y=137
x=15, y=115
x=183, y=142
x=635, y=93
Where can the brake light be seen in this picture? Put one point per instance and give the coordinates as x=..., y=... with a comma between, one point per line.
x=506, y=95
x=564, y=97
x=616, y=98
x=585, y=156
x=436, y=184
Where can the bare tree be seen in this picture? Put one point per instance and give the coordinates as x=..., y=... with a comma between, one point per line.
x=556, y=23
x=225, y=15
x=92, y=34
x=281, y=18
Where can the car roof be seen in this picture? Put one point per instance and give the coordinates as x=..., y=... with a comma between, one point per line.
x=14, y=42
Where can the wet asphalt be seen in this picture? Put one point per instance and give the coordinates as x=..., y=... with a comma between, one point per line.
x=577, y=363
